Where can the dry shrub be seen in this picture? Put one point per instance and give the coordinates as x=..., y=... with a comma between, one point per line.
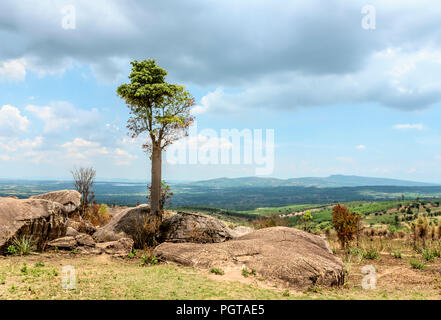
x=345, y=223
x=97, y=214
x=269, y=221
x=146, y=232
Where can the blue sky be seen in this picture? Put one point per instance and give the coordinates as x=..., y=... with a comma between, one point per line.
x=341, y=99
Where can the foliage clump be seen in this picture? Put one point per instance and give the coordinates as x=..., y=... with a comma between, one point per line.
x=346, y=224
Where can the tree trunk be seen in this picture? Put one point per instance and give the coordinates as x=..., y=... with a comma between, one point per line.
x=156, y=182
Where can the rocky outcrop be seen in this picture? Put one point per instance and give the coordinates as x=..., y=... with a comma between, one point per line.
x=70, y=199
x=194, y=227
x=290, y=256
x=42, y=219
x=125, y=224
x=85, y=244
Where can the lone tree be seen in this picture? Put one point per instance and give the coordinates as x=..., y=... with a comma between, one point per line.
x=84, y=179
x=159, y=109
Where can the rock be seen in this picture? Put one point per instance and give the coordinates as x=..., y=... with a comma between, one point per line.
x=83, y=226
x=290, y=256
x=124, y=224
x=241, y=231
x=88, y=250
x=70, y=199
x=120, y=248
x=85, y=240
x=194, y=227
x=67, y=243
x=71, y=232
x=43, y=220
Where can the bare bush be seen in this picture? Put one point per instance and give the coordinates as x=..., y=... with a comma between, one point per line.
x=84, y=179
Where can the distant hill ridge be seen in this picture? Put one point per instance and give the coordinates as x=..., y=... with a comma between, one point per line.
x=333, y=181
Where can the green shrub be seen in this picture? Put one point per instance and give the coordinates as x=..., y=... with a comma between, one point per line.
x=245, y=273
x=217, y=271
x=132, y=254
x=397, y=254
x=23, y=246
x=285, y=293
x=148, y=260
x=428, y=254
x=12, y=250
x=370, y=253
x=417, y=264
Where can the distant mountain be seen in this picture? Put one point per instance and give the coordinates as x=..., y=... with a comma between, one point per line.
x=333, y=181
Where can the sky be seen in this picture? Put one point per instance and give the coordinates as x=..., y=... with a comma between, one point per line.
x=345, y=87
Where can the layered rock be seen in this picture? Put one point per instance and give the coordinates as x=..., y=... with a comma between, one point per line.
x=85, y=244
x=194, y=227
x=287, y=255
x=70, y=199
x=42, y=220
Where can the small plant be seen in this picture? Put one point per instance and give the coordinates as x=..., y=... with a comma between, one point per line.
x=23, y=246
x=428, y=254
x=397, y=254
x=39, y=264
x=148, y=259
x=132, y=254
x=24, y=269
x=285, y=293
x=217, y=271
x=245, y=273
x=417, y=264
x=370, y=253
x=12, y=250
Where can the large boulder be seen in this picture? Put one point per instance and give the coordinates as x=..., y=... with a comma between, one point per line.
x=42, y=219
x=70, y=199
x=194, y=227
x=293, y=257
x=125, y=224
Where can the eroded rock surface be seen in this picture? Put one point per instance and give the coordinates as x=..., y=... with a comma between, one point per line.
x=296, y=258
x=42, y=219
x=70, y=199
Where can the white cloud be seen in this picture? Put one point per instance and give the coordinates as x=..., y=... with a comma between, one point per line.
x=408, y=126
x=11, y=121
x=82, y=149
x=14, y=148
x=360, y=147
x=61, y=116
x=438, y=157
x=13, y=70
